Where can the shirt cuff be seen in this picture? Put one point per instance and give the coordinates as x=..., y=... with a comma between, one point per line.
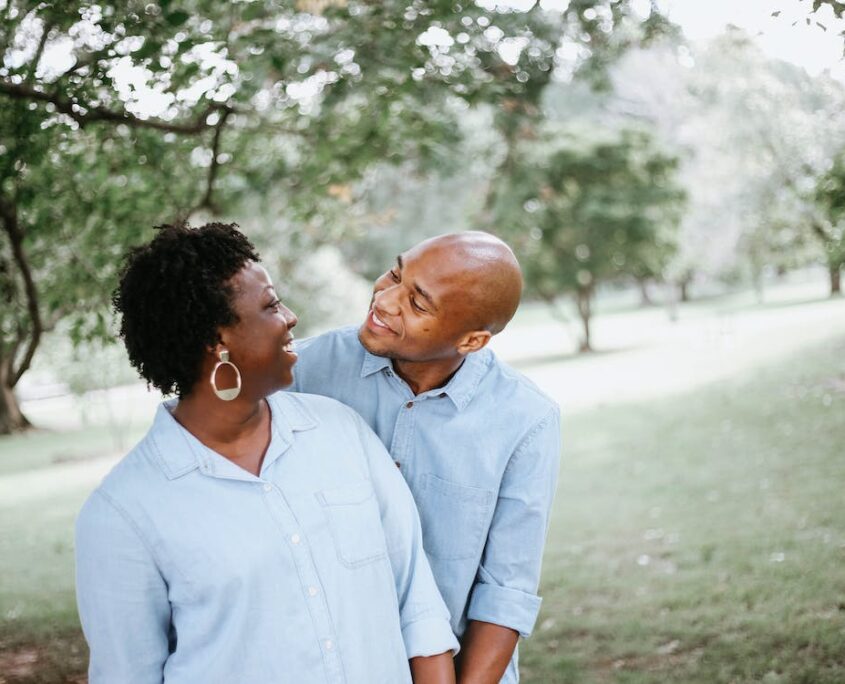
x=504, y=606
x=428, y=637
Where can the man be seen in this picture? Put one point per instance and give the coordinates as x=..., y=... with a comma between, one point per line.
x=477, y=443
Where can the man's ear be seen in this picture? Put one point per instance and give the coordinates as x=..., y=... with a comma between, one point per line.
x=473, y=341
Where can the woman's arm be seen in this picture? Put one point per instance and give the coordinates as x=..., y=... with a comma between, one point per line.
x=122, y=598
x=424, y=618
x=438, y=669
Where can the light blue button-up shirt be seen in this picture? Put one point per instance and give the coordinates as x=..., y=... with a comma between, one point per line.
x=481, y=457
x=190, y=569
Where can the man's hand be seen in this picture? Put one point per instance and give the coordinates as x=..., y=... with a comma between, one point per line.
x=486, y=650
x=438, y=669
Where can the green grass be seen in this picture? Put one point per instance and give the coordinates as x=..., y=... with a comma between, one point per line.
x=694, y=539
x=44, y=448
x=702, y=538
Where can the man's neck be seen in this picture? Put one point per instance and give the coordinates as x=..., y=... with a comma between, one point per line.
x=423, y=376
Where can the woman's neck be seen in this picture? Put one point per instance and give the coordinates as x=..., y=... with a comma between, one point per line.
x=238, y=429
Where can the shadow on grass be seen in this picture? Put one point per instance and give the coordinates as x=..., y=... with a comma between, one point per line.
x=788, y=304
x=565, y=357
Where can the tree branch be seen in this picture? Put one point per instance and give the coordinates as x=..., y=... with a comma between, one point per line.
x=84, y=114
x=208, y=200
x=10, y=224
x=33, y=67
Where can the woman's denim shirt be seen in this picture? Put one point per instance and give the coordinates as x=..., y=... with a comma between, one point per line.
x=190, y=569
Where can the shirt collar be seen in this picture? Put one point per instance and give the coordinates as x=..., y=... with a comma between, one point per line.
x=461, y=387
x=179, y=452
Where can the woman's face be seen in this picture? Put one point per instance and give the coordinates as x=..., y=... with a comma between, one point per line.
x=260, y=344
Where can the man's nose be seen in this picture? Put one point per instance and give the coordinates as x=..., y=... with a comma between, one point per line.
x=387, y=299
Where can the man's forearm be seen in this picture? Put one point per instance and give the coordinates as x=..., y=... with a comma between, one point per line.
x=438, y=669
x=486, y=650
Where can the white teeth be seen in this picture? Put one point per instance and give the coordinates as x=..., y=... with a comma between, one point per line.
x=378, y=321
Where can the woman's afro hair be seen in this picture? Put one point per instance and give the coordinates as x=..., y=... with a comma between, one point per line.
x=173, y=297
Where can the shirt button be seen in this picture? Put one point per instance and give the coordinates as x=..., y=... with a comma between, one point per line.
x=312, y=591
x=268, y=487
x=329, y=644
x=295, y=539
x=398, y=465
x=410, y=404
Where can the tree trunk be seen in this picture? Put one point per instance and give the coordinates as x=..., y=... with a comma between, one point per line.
x=835, y=280
x=11, y=417
x=645, y=296
x=584, y=300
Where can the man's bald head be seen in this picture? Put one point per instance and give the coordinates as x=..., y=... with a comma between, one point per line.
x=486, y=271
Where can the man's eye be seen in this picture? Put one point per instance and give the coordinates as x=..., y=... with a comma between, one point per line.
x=395, y=276
x=417, y=306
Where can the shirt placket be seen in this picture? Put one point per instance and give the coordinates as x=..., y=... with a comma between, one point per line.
x=309, y=579
x=403, y=430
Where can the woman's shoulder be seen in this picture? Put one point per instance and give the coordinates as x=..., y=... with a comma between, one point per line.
x=316, y=409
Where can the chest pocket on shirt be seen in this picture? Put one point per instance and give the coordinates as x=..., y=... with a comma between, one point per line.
x=355, y=523
x=454, y=517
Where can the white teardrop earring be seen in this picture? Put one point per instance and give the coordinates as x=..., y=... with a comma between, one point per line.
x=232, y=392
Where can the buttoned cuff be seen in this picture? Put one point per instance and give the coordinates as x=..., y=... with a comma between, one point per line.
x=428, y=637
x=504, y=606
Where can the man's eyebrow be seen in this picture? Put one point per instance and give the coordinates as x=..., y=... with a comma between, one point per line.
x=426, y=296
x=399, y=261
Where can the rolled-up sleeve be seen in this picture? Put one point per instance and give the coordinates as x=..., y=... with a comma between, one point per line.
x=121, y=596
x=424, y=618
x=505, y=592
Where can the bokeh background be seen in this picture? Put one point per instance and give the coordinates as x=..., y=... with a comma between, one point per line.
x=671, y=175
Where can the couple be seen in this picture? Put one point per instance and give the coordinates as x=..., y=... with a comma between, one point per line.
x=260, y=536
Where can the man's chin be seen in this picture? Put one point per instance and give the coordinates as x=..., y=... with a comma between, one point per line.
x=365, y=337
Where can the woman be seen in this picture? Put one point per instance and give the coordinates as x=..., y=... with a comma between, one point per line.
x=253, y=535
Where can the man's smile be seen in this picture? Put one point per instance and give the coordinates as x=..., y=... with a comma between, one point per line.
x=378, y=324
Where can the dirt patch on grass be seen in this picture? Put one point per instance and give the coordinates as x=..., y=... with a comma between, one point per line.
x=58, y=660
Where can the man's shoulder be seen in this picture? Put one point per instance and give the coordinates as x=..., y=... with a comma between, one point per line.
x=341, y=340
x=519, y=389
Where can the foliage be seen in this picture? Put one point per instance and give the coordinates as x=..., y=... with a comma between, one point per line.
x=830, y=225
x=124, y=114
x=584, y=210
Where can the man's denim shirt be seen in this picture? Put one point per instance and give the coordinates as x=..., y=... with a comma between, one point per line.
x=190, y=569
x=481, y=457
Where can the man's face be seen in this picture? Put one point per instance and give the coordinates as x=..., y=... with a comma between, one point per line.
x=420, y=308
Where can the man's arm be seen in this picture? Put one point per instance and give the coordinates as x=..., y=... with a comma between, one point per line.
x=504, y=602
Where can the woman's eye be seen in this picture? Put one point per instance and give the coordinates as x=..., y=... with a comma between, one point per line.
x=275, y=304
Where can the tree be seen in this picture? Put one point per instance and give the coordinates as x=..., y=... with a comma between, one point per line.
x=584, y=210
x=829, y=225
x=123, y=114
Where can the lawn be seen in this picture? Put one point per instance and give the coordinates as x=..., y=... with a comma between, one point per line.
x=702, y=538
x=694, y=539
